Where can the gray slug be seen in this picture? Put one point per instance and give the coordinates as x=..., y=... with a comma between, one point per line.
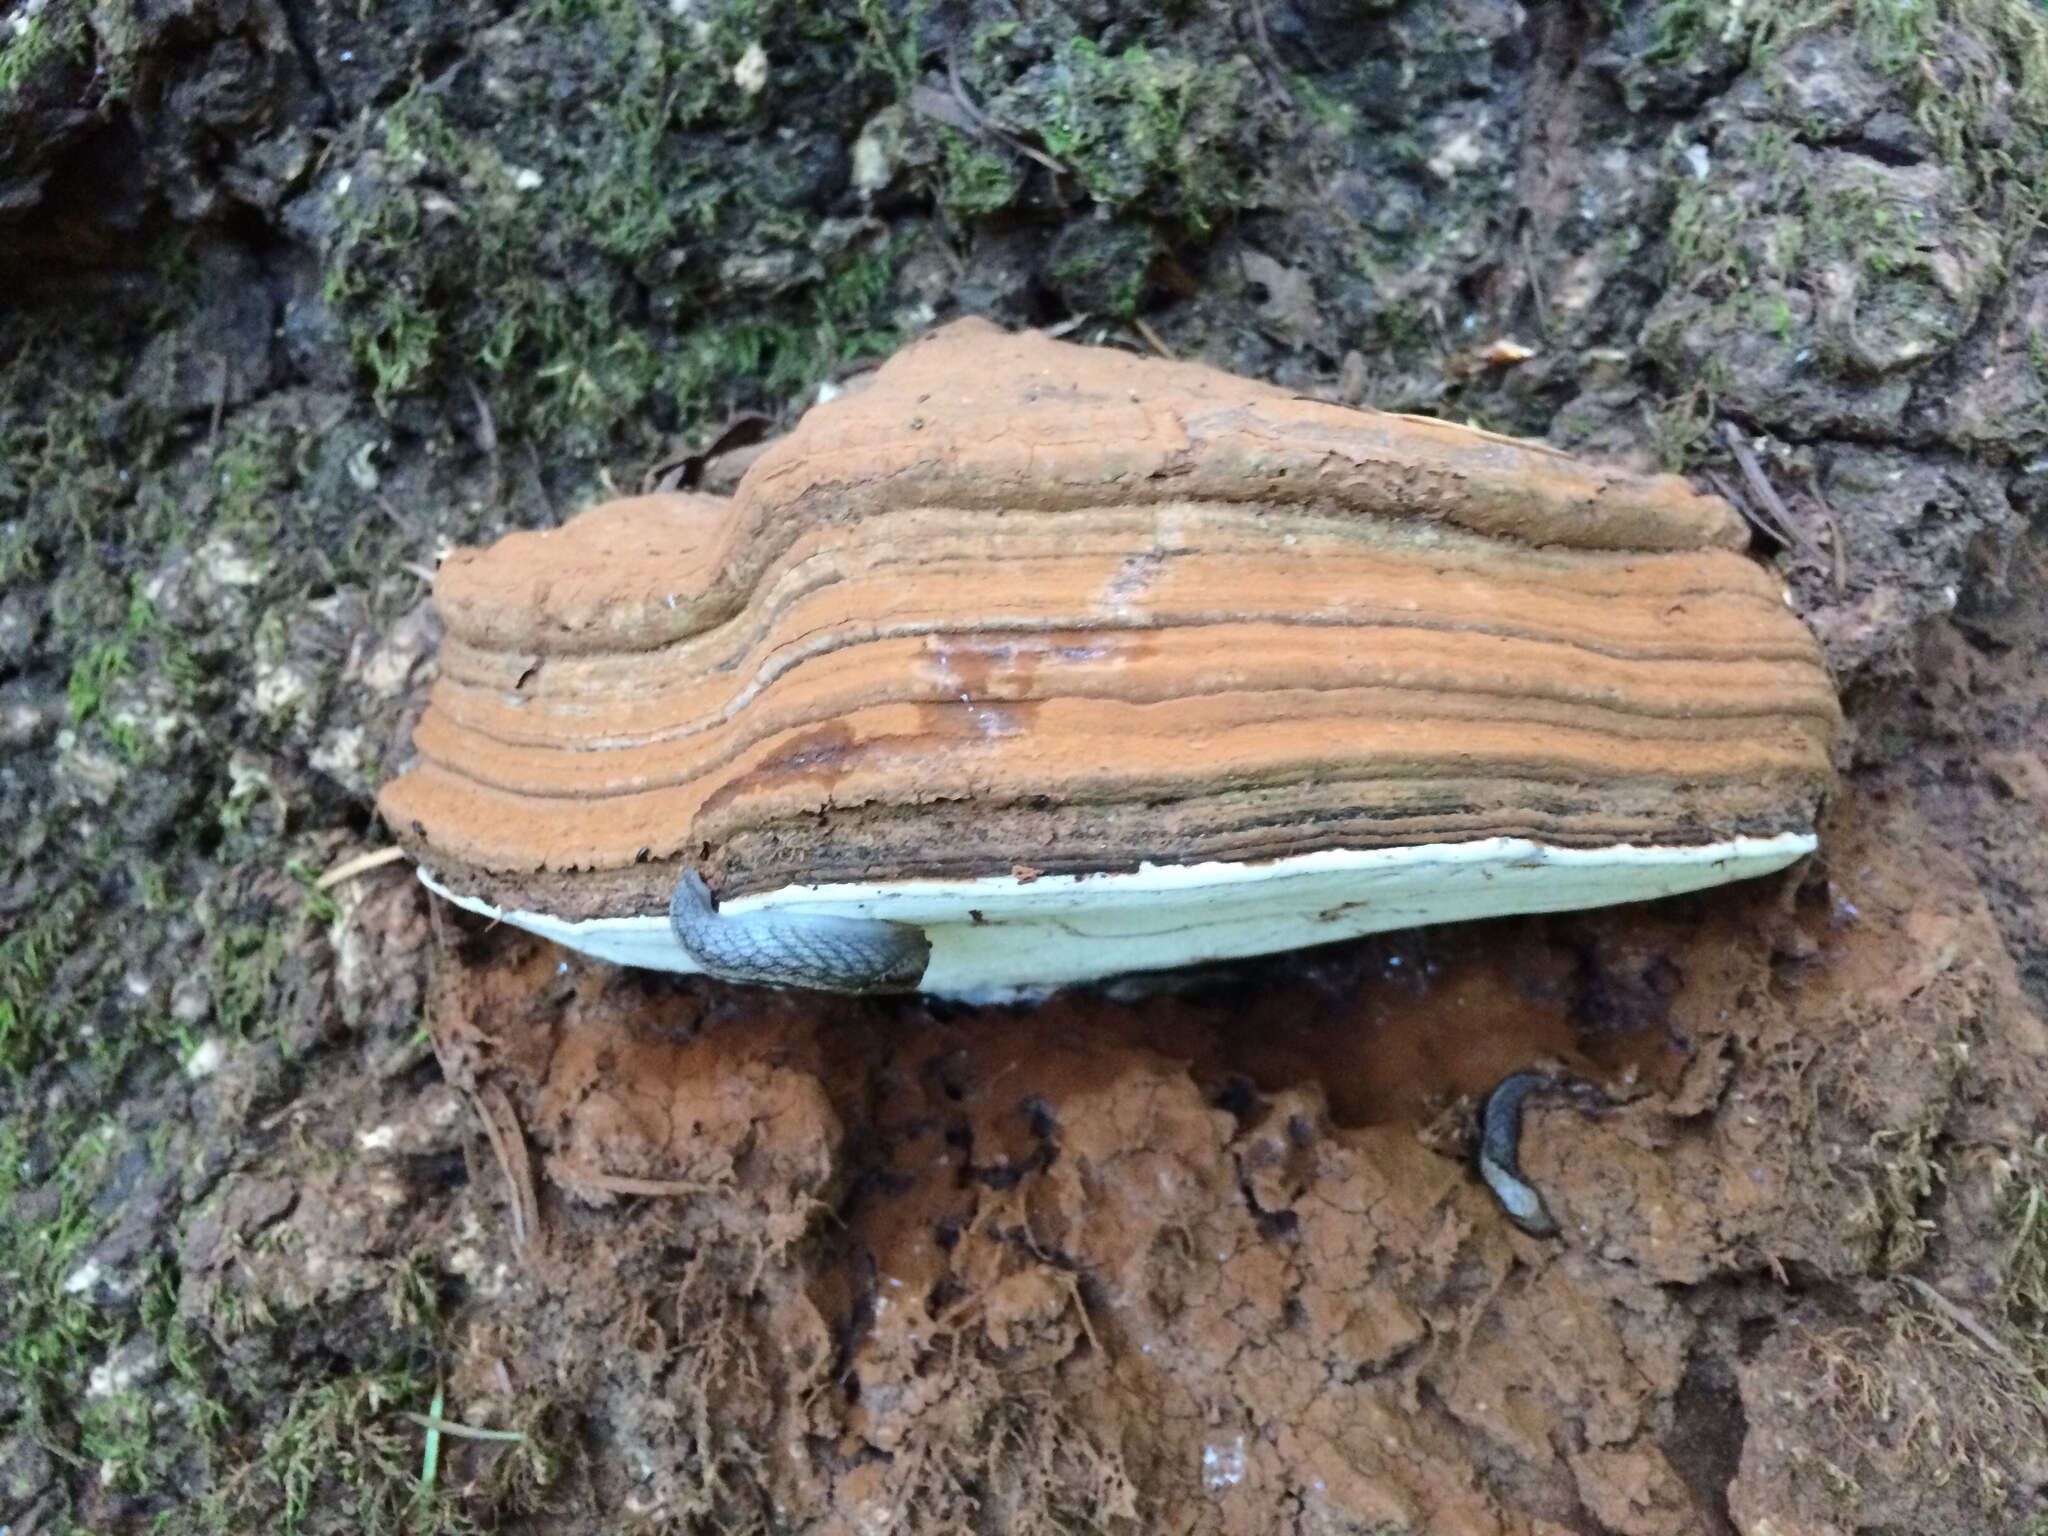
x=793, y=949
x=1500, y=1157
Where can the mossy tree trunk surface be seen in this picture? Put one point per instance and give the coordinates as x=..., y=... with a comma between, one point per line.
x=299, y=294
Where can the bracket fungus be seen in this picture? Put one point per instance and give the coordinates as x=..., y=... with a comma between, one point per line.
x=1034, y=663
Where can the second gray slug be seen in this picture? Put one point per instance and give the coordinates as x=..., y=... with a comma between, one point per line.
x=1500, y=1155
x=794, y=949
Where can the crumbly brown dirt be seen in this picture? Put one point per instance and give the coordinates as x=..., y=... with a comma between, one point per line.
x=1213, y=1259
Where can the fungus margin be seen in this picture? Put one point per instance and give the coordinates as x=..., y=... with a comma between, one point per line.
x=1002, y=938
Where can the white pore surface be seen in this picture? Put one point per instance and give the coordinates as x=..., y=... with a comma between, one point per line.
x=999, y=936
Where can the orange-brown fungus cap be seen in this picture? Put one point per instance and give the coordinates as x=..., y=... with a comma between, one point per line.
x=1027, y=603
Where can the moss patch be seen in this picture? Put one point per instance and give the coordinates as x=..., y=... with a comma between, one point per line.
x=1847, y=228
x=1152, y=132
x=37, y=36
x=595, y=230
x=1155, y=132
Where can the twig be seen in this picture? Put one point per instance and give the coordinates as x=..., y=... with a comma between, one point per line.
x=487, y=439
x=361, y=864
x=1152, y=339
x=954, y=110
x=957, y=110
x=405, y=525
x=1766, y=509
x=572, y=1174
x=1535, y=286
x=1967, y=1321
x=540, y=486
x=1276, y=77
x=1838, y=569
x=486, y=426
x=1443, y=332
x=952, y=258
x=220, y=406
x=1734, y=497
x=508, y=1144
x=1081, y=1308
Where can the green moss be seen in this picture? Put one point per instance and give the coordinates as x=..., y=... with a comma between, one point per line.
x=90, y=676
x=107, y=660
x=60, y=486
x=1103, y=267
x=991, y=38
x=977, y=181
x=56, y=31
x=539, y=264
x=1970, y=72
x=550, y=298
x=1957, y=92
x=32, y=1012
x=1704, y=234
x=1829, y=277
x=1149, y=134
x=1682, y=428
x=49, y=1331
x=339, y=1448
x=53, y=1332
x=1330, y=112
x=1974, y=74
x=1680, y=30
x=1777, y=315
x=1154, y=132
x=893, y=40
x=2025, y=1288
x=334, y=1444
x=243, y=963
x=117, y=1433
x=782, y=357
